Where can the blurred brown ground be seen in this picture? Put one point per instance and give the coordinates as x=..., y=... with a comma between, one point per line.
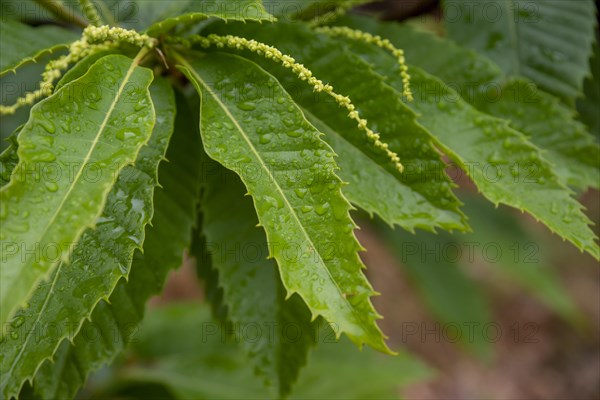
x=562, y=364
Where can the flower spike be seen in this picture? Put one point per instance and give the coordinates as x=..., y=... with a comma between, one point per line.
x=340, y=10
x=93, y=40
x=272, y=53
x=378, y=41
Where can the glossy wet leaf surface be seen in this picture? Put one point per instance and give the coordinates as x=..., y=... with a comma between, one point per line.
x=101, y=258
x=70, y=153
x=93, y=216
x=252, y=291
x=296, y=193
x=503, y=164
x=8, y=159
x=421, y=196
x=531, y=38
x=113, y=322
x=566, y=143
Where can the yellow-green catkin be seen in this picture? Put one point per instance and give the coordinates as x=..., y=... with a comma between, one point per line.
x=93, y=39
x=379, y=42
x=272, y=53
x=340, y=10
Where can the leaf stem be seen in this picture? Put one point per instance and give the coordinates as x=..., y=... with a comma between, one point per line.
x=89, y=10
x=140, y=55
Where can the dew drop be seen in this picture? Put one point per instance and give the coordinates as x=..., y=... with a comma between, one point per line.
x=18, y=321
x=270, y=202
x=265, y=138
x=49, y=140
x=14, y=335
x=140, y=105
x=294, y=134
x=322, y=209
x=306, y=209
x=45, y=156
x=51, y=186
x=47, y=125
x=247, y=106
x=135, y=239
x=123, y=269
x=125, y=134
x=300, y=192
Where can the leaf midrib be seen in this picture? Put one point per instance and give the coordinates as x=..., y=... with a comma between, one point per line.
x=276, y=184
x=94, y=144
x=126, y=78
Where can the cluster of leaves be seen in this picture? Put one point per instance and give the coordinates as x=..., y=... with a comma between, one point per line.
x=93, y=216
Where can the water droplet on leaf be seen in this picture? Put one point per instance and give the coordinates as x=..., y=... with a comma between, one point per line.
x=18, y=321
x=247, y=106
x=47, y=125
x=51, y=186
x=300, y=192
x=322, y=209
x=266, y=138
x=125, y=134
